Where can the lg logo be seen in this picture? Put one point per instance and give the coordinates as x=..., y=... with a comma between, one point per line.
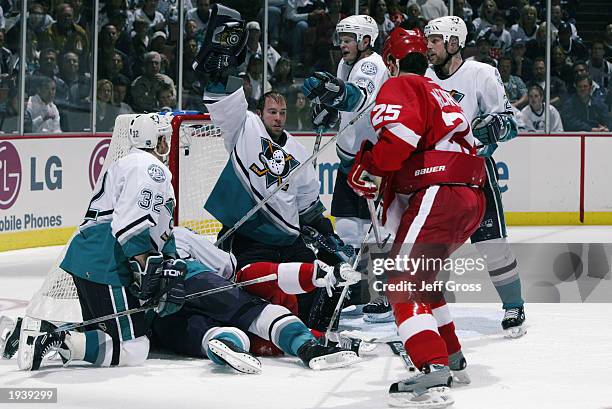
x=10, y=175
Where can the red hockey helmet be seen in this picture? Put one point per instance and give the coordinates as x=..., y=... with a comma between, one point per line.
x=402, y=42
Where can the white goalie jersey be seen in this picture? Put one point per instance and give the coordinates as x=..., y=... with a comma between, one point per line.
x=368, y=74
x=191, y=246
x=257, y=165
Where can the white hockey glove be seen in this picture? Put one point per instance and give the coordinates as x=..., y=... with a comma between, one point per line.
x=339, y=275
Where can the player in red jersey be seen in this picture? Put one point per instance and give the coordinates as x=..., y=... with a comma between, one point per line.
x=426, y=157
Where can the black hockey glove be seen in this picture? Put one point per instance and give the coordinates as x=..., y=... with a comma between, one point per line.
x=324, y=117
x=324, y=88
x=329, y=246
x=172, y=287
x=146, y=281
x=489, y=128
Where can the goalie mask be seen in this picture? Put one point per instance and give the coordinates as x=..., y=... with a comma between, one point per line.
x=360, y=26
x=224, y=43
x=145, y=130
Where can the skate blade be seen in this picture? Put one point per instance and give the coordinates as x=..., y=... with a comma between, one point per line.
x=352, y=311
x=461, y=377
x=379, y=318
x=433, y=398
x=515, y=332
x=332, y=361
x=242, y=362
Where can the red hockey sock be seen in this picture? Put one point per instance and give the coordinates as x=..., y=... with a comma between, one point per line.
x=446, y=326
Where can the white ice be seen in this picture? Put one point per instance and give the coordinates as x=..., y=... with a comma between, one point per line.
x=564, y=361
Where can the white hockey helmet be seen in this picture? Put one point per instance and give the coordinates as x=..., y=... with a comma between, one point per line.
x=360, y=25
x=145, y=130
x=447, y=27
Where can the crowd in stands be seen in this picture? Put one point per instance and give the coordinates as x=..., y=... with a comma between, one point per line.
x=137, y=57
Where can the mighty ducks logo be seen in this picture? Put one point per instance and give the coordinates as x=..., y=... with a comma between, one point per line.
x=277, y=164
x=457, y=96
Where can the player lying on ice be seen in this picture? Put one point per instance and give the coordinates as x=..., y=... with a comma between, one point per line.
x=104, y=259
x=260, y=318
x=262, y=156
x=431, y=213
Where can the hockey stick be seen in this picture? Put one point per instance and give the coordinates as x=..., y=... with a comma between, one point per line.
x=374, y=220
x=398, y=349
x=346, y=288
x=317, y=145
x=296, y=171
x=68, y=327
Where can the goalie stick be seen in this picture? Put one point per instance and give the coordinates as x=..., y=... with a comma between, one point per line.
x=69, y=327
x=307, y=162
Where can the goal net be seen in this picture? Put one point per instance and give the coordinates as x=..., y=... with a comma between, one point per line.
x=196, y=160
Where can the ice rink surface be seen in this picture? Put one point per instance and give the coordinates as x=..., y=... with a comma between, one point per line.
x=564, y=361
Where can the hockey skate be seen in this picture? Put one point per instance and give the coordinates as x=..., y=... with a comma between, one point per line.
x=458, y=366
x=318, y=357
x=359, y=346
x=429, y=389
x=378, y=311
x=234, y=356
x=513, y=321
x=37, y=341
x=9, y=336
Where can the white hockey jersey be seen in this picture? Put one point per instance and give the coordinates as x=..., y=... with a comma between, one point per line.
x=257, y=165
x=131, y=213
x=477, y=87
x=202, y=256
x=368, y=74
x=534, y=122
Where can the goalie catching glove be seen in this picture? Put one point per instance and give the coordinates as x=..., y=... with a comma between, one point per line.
x=160, y=281
x=359, y=179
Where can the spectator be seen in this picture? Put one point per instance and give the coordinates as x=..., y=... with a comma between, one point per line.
x=200, y=15
x=463, y=9
x=80, y=17
x=299, y=13
x=145, y=87
x=106, y=112
x=527, y=26
x=112, y=8
x=556, y=17
x=79, y=85
x=608, y=42
x=483, y=47
x=122, y=21
x=573, y=48
x=108, y=54
x=397, y=16
x=533, y=114
x=41, y=108
x=140, y=45
x=557, y=86
x=8, y=62
x=298, y=119
x=255, y=73
x=2, y=20
x=581, y=112
x=48, y=68
x=9, y=112
x=275, y=13
x=536, y=48
x=166, y=98
x=384, y=23
x=66, y=36
x=149, y=14
x=253, y=47
x=248, y=92
x=600, y=69
x=38, y=20
x=431, y=9
x=158, y=42
x=561, y=65
x=522, y=66
x=192, y=32
x=580, y=69
x=498, y=36
x=516, y=90
x=120, y=88
x=486, y=16
x=282, y=81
